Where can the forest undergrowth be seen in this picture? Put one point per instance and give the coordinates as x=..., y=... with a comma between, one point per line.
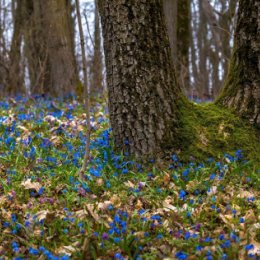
x=205, y=208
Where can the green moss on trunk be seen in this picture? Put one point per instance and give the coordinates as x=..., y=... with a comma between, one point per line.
x=209, y=130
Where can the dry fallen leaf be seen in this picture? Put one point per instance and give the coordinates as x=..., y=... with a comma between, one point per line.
x=213, y=191
x=166, y=179
x=138, y=204
x=68, y=250
x=29, y=185
x=45, y=214
x=129, y=184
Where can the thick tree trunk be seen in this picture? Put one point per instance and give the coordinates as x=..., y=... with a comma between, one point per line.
x=144, y=97
x=241, y=91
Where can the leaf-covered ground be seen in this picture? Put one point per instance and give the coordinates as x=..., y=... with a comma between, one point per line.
x=123, y=210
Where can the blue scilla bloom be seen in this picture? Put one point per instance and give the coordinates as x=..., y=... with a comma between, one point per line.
x=117, y=239
x=181, y=255
x=182, y=194
x=9, y=140
x=13, y=217
x=185, y=172
x=249, y=247
x=41, y=190
x=15, y=246
x=239, y=154
x=155, y=217
x=33, y=251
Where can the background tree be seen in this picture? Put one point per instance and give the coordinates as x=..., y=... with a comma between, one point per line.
x=144, y=97
x=242, y=87
x=177, y=15
x=212, y=26
x=15, y=71
x=96, y=66
x=49, y=47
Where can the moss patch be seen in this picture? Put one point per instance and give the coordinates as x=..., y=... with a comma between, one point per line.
x=209, y=130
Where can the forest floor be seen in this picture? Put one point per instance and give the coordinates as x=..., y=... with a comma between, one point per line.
x=206, y=209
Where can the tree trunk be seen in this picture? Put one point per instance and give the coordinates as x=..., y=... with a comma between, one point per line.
x=177, y=16
x=57, y=28
x=96, y=80
x=183, y=43
x=15, y=75
x=144, y=97
x=241, y=91
x=50, y=47
x=170, y=12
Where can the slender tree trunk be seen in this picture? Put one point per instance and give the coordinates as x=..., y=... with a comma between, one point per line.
x=183, y=43
x=57, y=28
x=50, y=47
x=144, y=97
x=96, y=81
x=226, y=24
x=86, y=92
x=15, y=77
x=203, y=45
x=170, y=12
x=241, y=91
x=177, y=16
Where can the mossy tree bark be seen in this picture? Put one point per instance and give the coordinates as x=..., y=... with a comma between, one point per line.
x=241, y=91
x=144, y=97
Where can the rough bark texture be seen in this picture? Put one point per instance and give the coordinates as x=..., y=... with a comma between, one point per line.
x=242, y=88
x=143, y=93
x=49, y=47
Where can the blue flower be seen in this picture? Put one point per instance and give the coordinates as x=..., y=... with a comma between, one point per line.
x=13, y=217
x=187, y=235
x=207, y=239
x=199, y=248
x=249, y=247
x=15, y=246
x=181, y=255
x=182, y=194
x=33, y=251
x=241, y=220
x=117, y=239
x=159, y=236
x=41, y=190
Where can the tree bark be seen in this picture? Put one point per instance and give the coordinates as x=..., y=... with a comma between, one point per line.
x=183, y=43
x=177, y=16
x=50, y=47
x=57, y=28
x=96, y=79
x=144, y=97
x=241, y=91
x=170, y=12
x=15, y=75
